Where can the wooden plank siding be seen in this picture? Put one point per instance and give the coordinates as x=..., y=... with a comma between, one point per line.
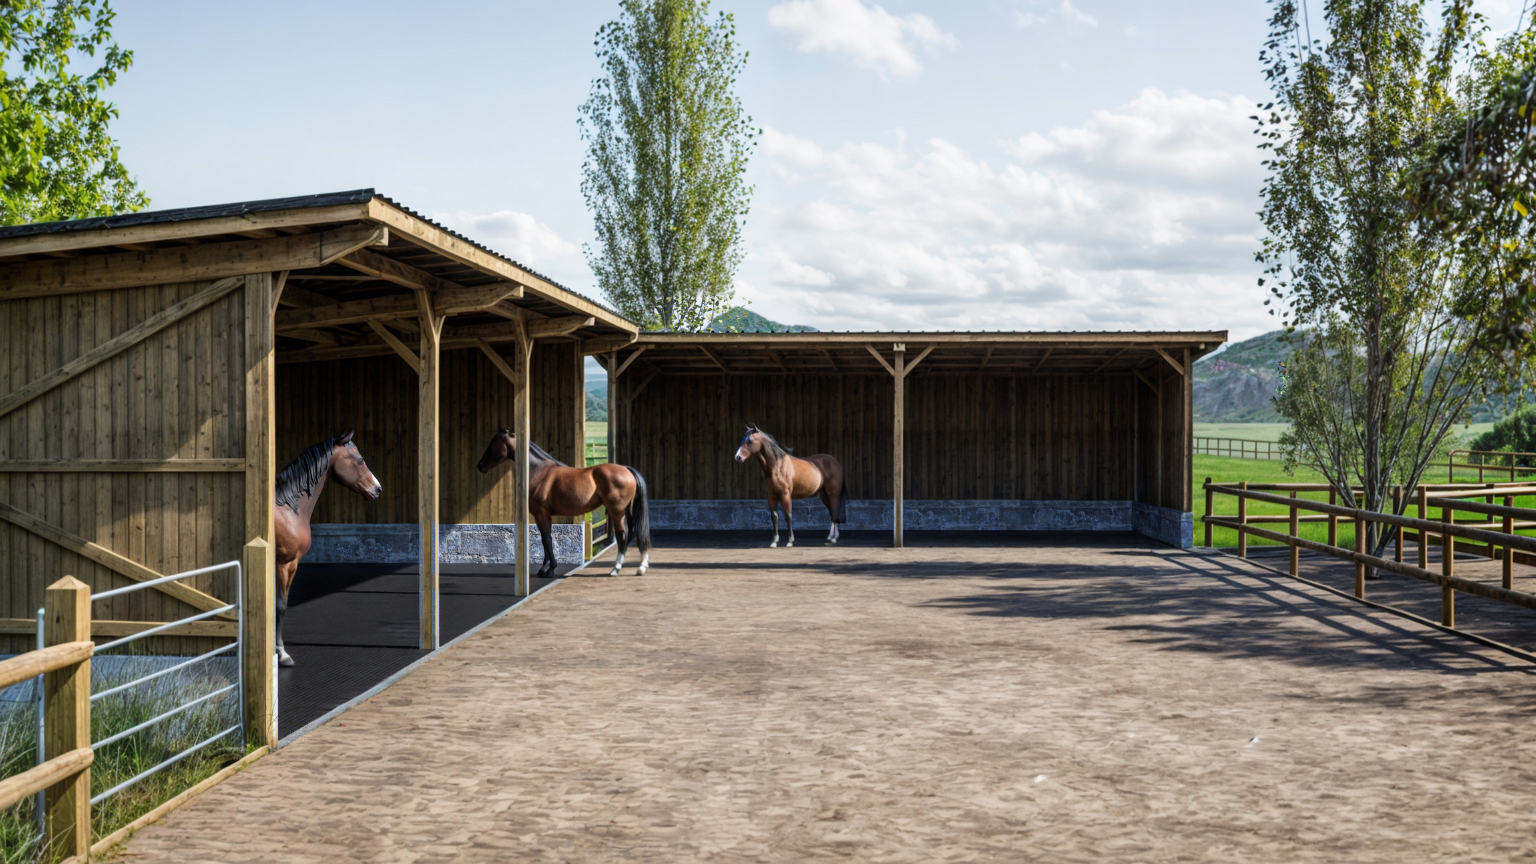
x=179, y=394
x=1027, y=437
x=376, y=397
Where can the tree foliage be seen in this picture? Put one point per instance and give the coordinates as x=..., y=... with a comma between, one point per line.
x=57, y=156
x=1389, y=359
x=1477, y=185
x=667, y=148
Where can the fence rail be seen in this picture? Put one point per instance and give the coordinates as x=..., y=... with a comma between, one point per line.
x=1479, y=460
x=1502, y=543
x=62, y=779
x=1238, y=448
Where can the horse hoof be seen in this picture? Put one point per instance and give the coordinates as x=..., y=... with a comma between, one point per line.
x=773, y=545
x=613, y=572
x=789, y=545
x=284, y=660
x=641, y=571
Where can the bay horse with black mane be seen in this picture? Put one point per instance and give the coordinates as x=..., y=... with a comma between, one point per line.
x=788, y=477
x=299, y=485
x=557, y=489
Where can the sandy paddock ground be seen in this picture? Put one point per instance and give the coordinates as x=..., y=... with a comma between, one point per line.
x=1109, y=701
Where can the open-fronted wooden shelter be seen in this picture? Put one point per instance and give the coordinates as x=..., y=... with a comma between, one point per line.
x=154, y=367
x=934, y=430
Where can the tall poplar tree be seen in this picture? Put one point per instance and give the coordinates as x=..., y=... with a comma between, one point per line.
x=57, y=156
x=667, y=148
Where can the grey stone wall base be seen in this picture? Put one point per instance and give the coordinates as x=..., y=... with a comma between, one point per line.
x=1174, y=527
x=335, y=543
x=875, y=515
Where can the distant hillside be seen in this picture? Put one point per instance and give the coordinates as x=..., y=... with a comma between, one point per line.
x=739, y=320
x=1236, y=385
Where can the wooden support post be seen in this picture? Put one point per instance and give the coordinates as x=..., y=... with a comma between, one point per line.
x=260, y=412
x=586, y=537
x=1359, y=567
x=67, y=707
x=429, y=633
x=1210, y=497
x=1397, y=510
x=524, y=426
x=899, y=450
x=1333, y=519
x=1242, y=520
x=1509, y=553
x=613, y=404
x=579, y=418
x=1295, y=550
x=1423, y=535
x=258, y=643
x=1447, y=567
x=1187, y=439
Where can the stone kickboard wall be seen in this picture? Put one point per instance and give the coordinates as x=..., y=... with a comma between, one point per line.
x=335, y=543
x=1170, y=526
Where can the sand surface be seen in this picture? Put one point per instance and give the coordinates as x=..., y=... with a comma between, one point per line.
x=1113, y=701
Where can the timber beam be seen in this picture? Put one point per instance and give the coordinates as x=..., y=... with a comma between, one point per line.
x=184, y=263
x=382, y=267
x=604, y=344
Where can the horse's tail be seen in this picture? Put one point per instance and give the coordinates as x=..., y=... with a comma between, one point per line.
x=640, y=515
x=842, y=502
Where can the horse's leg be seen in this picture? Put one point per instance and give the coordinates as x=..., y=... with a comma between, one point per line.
x=285, y=575
x=789, y=518
x=831, y=502
x=773, y=514
x=620, y=528
x=546, y=534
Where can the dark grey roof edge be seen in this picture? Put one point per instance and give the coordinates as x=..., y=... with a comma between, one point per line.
x=297, y=202
x=187, y=214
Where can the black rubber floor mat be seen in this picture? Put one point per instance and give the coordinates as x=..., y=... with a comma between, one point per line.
x=350, y=626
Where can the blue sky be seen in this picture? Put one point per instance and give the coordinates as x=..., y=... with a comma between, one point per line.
x=998, y=164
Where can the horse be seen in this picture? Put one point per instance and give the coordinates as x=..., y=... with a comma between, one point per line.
x=299, y=485
x=557, y=489
x=789, y=477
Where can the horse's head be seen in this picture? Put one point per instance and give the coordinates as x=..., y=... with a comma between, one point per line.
x=751, y=443
x=351, y=471
x=503, y=445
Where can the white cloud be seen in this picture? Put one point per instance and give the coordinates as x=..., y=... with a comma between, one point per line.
x=872, y=37
x=524, y=239
x=1066, y=13
x=1140, y=218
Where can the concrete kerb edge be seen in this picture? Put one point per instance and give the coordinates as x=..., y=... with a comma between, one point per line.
x=1496, y=645
x=416, y=664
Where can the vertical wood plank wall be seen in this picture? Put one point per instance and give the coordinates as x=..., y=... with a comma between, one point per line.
x=178, y=394
x=376, y=398
x=1064, y=437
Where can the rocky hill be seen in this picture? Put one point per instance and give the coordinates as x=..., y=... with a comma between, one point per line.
x=740, y=320
x=1238, y=384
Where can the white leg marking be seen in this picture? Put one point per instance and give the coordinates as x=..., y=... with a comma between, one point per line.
x=645, y=564
x=616, y=565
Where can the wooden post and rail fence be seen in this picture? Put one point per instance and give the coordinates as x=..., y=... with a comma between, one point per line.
x=1484, y=536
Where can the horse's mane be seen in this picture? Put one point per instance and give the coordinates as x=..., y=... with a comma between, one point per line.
x=778, y=450
x=299, y=477
x=537, y=453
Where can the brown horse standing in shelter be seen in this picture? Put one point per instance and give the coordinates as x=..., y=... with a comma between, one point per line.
x=299, y=485
x=789, y=477
x=557, y=489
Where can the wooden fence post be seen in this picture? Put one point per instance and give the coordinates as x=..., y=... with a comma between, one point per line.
x=1423, y=535
x=1295, y=550
x=1333, y=519
x=67, y=707
x=1447, y=566
x=258, y=642
x=1242, y=520
x=1210, y=498
x=1360, y=549
x=1509, y=552
x=1397, y=508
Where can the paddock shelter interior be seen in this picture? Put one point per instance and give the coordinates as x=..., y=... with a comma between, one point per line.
x=948, y=431
x=158, y=367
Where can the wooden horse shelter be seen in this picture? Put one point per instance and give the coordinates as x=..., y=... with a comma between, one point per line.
x=1024, y=431
x=155, y=367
